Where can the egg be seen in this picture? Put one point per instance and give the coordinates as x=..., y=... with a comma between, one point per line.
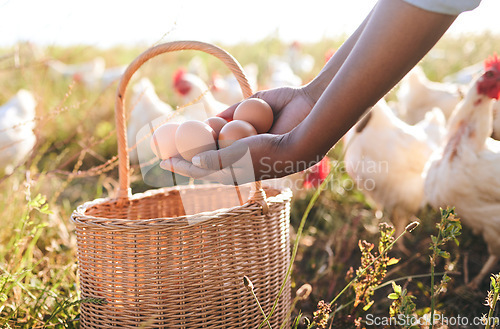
x=163, y=141
x=193, y=137
x=256, y=112
x=234, y=130
x=216, y=123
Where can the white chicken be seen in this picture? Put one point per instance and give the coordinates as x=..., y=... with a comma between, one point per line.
x=300, y=62
x=385, y=157
x=227, y=90
x=281, y=74
x=111, y=75
x=465, y=172
x=434, y=125
x=191, y=88
x=417, y=95
x=88, y=73
x=17, y=121
x=465, y=75
x=198, y=67
x=147, y=110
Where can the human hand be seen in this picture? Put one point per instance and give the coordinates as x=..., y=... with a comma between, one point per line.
x=246, y=160
x=290, y=106
x=257, y=157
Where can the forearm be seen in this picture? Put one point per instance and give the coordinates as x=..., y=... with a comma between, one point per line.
x=396, y=36
x=317, y=86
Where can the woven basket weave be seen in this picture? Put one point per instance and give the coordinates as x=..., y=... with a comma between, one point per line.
x=158, y=268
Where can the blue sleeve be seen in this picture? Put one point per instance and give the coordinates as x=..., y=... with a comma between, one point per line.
x=449, y=7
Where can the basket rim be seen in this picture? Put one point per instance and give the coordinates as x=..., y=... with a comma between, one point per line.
x=79, y=214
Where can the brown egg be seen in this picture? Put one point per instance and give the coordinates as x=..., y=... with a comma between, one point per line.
x=256, y=112
x=193, y=137
x=163, y=141
x=234, y=130
x=216, y=123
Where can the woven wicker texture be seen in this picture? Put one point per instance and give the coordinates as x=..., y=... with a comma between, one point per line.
x=157, y=268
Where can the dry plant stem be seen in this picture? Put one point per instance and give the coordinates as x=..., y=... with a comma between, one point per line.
x=433, y=298
x=417, y=276
x=364, y=269
x=295, y=300
x=297, y=239
x=266, y=320
x=249, y=285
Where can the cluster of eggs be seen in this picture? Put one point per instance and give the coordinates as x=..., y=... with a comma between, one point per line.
x=252, y=116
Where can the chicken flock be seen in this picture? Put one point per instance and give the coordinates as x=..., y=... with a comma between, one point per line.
x=436, y=144
x=18, y=114
x=199, y=96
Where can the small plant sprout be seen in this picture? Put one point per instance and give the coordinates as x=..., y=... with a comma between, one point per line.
x=491, y=301
x=448, y=230
x=402, y=305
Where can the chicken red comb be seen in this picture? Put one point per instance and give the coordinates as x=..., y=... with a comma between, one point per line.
x=179, y=74
x=492, y=62
x=216, y=81
x=489, y=84
x=317, y=173
x=329, y=53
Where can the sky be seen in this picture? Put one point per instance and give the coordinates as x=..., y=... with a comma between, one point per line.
x=104, y=23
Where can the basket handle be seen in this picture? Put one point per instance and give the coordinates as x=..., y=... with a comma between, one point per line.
x=123, y=157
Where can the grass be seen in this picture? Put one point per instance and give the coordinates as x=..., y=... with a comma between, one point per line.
x=75, y=132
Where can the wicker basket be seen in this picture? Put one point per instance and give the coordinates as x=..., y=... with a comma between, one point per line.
x=159, y=268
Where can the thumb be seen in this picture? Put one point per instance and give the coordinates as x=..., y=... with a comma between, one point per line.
x=228, y=113
x=217, y=160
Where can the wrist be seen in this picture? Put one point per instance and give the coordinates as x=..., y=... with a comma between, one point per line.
x=297, y=158
x=314, y=89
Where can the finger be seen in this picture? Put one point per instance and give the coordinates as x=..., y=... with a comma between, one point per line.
x=179, y=166
x=184, y=168
x=216, y=160
x=228, y=113
x=225, y=176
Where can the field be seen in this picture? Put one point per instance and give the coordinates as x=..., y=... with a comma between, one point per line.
x=74, y=162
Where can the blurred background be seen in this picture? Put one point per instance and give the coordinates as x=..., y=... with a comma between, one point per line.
x=110, y=23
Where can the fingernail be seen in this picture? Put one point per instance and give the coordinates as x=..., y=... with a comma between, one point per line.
x=196, y=161
x=166, y=164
